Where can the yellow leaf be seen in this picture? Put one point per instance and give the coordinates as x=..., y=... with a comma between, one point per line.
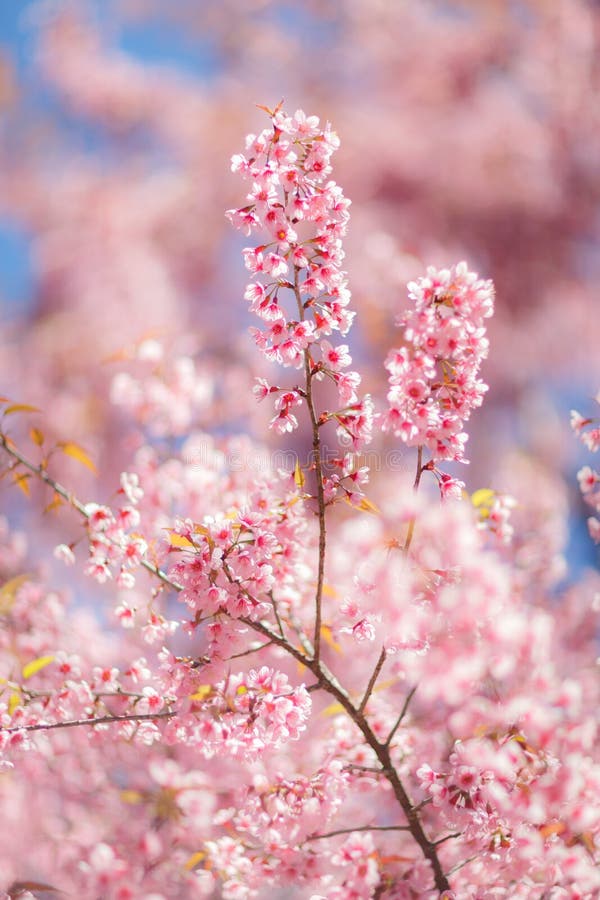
x=299, y=475
x=194, y=860
x=203, y=691
x=36, y=436
x=13, y=701
x=333, y=709
x=22, y=482
x=329, y=591
x=365, y=506
x=76, y=452
x=8, y=592
x=131, y=797
x=483, y=497
x=20, y=407
x=179, y=541
x=36, y=665
x=329, y=639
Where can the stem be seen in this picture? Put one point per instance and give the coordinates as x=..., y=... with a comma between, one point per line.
x=372, y=680
x=411, y=524
x=316, y=443
x=100, y=720
x=409, y=697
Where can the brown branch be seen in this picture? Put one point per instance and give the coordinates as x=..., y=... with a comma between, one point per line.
x=400, y=718
x=76, y=504
x=316, y=443
x=372, y=680
x=325, y=678
x=448, y=837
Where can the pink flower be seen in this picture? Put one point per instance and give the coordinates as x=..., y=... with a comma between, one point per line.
x=335, y=358
x=588, y=479
x=65, y=554
x=594, y=529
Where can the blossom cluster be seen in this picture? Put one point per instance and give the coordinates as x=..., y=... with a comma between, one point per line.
x=304, y=214
x=231, y=562
x=246, y=714
x=589, y=479
x=434, y=377
x=114, y=545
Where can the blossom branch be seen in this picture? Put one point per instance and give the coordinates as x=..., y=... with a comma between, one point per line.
x=325, y=679
x=40, y=472
x=316, y=445
x=99, y=720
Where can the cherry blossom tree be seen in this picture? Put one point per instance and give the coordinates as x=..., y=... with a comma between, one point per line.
x=324, y=675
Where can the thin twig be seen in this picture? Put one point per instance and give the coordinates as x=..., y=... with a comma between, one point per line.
x=248, y=652
x=465, y=862
x=318, y=837
x=400, y=718
x=448, y=837
x=58, y=488
x=276, y=614
x=372, y=680
x=99, y=720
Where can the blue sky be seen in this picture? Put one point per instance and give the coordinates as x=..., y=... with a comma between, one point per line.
x=151, y=41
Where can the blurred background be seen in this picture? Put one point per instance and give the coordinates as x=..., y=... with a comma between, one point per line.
x=469, y=130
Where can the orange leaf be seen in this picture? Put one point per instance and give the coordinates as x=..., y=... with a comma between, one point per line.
x=76, y=452
x=56, y=501
x=22, y=482
x=194, y=860
x=552, y=828
x=131, y=797
x=36, y=436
